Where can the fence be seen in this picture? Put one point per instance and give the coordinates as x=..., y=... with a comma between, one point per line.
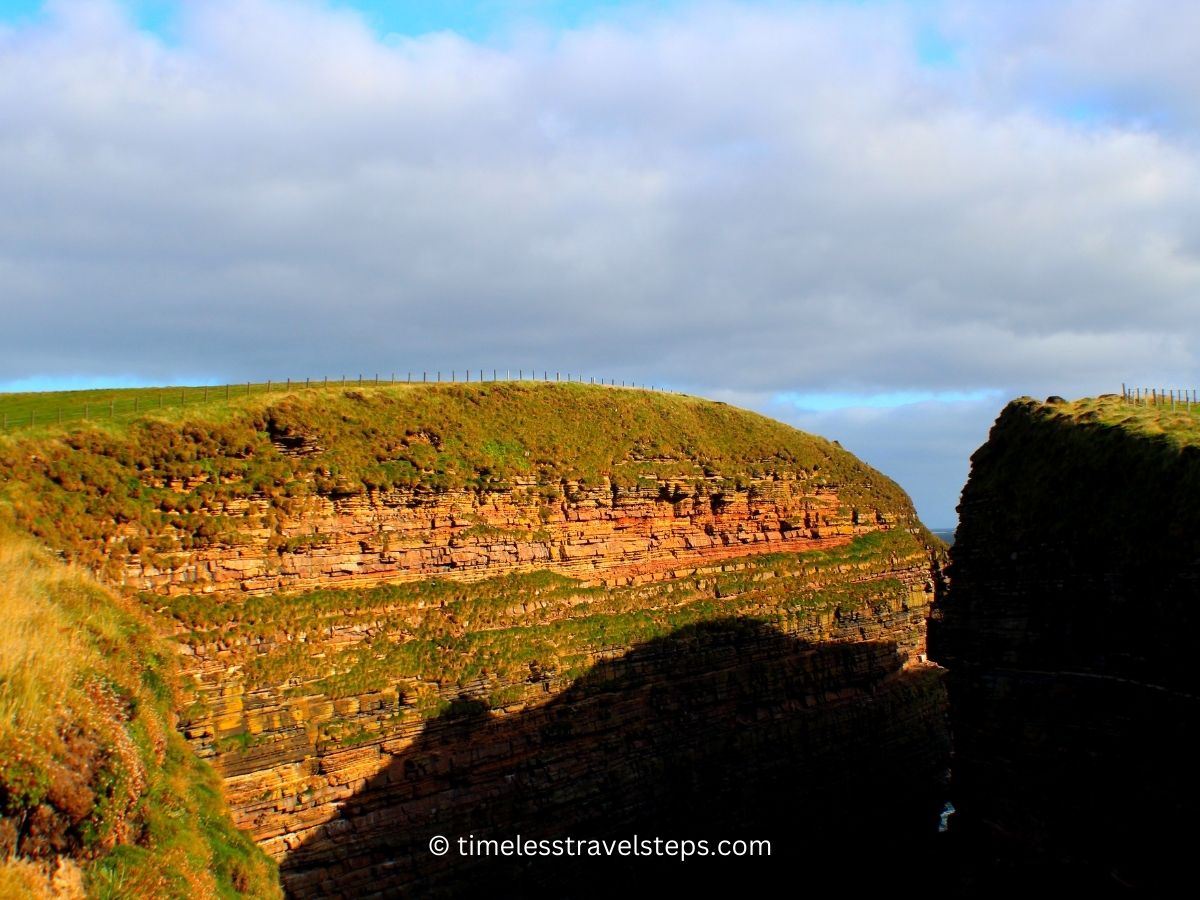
x=57, y=408
x=1181, y=398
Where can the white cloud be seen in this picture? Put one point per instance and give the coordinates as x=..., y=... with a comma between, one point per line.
x=751, y=200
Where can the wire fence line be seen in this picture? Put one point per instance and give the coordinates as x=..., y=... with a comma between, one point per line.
x=1174, y=398
x=33, y=409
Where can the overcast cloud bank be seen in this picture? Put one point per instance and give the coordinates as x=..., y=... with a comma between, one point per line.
x=948, y=204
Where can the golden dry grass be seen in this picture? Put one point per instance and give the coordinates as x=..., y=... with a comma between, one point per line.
x=41, y=649
x=29, y=880
x=86, y=715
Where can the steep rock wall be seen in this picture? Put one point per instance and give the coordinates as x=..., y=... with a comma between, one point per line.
x=302, y=755
x=346, y=573
x=1067, y=632
x=602, y=535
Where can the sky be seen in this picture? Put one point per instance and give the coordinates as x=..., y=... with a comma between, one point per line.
x=877, y=221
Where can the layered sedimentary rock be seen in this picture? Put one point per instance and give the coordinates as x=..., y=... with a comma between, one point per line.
x=1068, y=634
x=726, y=730
x=491, y=608
x=309, y=757
x=604, y=535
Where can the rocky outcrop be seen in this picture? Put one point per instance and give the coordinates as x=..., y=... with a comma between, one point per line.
x=1068, y=632
x=728, y=730
x=601, y=535
x=482, y=608
x=301, y=760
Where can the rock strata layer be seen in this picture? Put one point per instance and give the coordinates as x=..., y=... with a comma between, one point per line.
x=601, y=535
x=566, y=610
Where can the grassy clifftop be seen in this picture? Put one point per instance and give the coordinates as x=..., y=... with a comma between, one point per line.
x=93, y=769
x=1098, y=458
x=77, y=487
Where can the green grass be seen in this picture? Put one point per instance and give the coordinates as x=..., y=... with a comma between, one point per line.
x=51, y=409
x=1100, y=458
x=88, y=745
x=115, y=406
x=1179, y=425
x=159, y=483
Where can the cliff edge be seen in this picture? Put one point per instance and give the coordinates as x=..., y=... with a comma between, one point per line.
x=447, y=609
x=1067, y=632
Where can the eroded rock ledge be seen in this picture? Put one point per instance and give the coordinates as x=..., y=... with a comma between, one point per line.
x=601, y=535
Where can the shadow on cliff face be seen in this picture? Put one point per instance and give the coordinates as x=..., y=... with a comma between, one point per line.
x=1069, y=633
x=726, y=730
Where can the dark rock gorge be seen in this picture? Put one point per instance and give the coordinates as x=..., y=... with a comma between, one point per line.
x=1067, y=634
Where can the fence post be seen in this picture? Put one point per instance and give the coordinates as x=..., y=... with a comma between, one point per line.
x=111, y=407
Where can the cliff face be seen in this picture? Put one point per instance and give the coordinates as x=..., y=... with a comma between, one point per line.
x=473, y=609
x=1067, y=632
x=601, y=535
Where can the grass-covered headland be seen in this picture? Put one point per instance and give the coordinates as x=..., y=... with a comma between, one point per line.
x=97, y=788
x=166, y=480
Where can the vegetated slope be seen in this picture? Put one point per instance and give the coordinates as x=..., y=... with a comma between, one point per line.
x=341, y=567
x=1068, y=634
x=98, y=792
x=165, y=483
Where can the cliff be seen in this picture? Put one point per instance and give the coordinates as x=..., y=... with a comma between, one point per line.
x=1067, y=632
x=345, y=573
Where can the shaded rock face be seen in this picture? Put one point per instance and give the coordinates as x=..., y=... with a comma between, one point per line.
x=1068, y=632
x=305, y=784
x=729, y=729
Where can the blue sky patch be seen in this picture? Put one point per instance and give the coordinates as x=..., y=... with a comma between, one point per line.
x=827, y=402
